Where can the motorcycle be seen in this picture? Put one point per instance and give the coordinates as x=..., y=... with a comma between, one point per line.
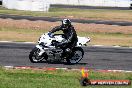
x=46, y=49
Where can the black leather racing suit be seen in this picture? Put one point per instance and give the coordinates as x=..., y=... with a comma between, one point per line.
x=70, y=35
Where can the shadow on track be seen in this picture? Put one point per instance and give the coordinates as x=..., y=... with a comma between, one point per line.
x=61, y=62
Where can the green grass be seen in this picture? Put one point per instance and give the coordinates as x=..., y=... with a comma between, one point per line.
x=102, y=14
x=54, y=79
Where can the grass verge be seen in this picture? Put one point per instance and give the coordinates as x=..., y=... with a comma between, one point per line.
x=14, y=78
x=100, y=14
x=29, y=35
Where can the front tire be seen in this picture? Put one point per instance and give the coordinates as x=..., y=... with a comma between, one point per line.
x=33, y=56
x=76, y=56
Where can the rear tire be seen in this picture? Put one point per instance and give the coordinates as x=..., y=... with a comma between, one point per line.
x=76, y=56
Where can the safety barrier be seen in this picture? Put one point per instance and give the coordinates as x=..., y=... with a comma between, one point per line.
x=108, y=3
x=44, y=5
x=31, y=5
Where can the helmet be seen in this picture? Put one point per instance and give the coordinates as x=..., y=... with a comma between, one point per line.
x=66, y=23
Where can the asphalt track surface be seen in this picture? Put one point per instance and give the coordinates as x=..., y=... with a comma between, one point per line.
x=54, y=19
x=16, y=54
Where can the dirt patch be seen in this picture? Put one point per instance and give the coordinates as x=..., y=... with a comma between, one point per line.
x=26, y=24
x=104, y=28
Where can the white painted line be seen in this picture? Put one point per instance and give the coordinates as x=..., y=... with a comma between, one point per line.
x=61, y=68
x=6, y=41
x=30, y=42
x=117, y=46
x=97, y=45
x=9, y=67
x=18, y=42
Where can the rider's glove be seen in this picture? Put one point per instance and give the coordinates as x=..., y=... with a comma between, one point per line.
x=50, y=34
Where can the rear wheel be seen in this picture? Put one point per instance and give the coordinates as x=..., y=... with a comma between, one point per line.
x=34, y=56
x=76, y=56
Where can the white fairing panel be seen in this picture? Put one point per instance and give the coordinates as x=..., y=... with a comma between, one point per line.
x=47, y=40
x=82, y=40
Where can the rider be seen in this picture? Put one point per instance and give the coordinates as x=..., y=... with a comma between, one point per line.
x=69, y=33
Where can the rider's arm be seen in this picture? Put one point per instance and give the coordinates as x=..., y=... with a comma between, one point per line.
x=50, y=33
x=57, y=28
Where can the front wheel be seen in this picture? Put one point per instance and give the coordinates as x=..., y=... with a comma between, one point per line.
x=76, y=56
x=34, y=56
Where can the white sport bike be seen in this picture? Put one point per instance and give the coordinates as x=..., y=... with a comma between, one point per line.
x=46, y=50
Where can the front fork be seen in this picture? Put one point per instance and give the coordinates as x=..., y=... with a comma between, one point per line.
x=41, y=50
